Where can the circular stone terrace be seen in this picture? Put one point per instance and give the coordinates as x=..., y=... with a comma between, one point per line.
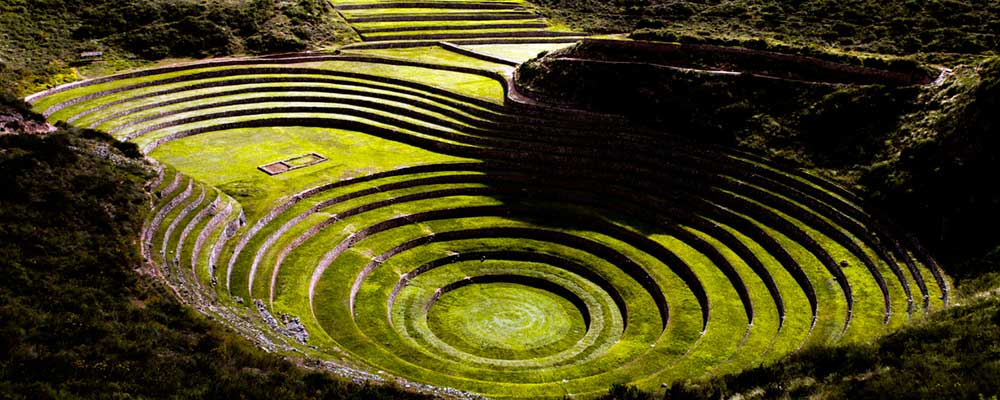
x=429, y=225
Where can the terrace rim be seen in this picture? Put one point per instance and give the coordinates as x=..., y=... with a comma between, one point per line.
x=660, y=260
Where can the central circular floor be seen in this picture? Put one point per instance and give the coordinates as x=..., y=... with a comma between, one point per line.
x=504, y=320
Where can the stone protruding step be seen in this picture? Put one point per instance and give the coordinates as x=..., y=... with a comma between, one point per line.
x=401, y=24
x=648, y=259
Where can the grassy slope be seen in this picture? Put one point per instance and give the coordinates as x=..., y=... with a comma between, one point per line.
x=950, y=355
x=715, y=344
x=925, y=159
x=41, y=40
x=910, y=149
x=735, y=23
x=78, y=322
x=889, y=27
x=825, y=126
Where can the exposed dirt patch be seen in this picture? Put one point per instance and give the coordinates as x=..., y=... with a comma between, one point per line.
x=13, y=122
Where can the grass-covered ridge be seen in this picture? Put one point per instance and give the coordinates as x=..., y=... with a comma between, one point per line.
x=886, y=27
x=950, y=355
x=878, y=134
x=831, y=109
x=43, y=40
x=464, y=236
x=408, y=24
x=79, y=322
x=657, y=260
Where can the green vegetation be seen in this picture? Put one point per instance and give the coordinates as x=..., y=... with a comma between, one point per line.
x=395, y=24
x=79, y=322
x=946, y=148
x=920, y=153
x=426, y=198
x=887, y=27
x=504, y=319
x=951, y=355
x=910, y=148
x=829, y=125
x=461, y=237
x=42, y=40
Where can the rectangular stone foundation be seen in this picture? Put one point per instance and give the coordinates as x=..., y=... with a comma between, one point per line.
x=291, y=164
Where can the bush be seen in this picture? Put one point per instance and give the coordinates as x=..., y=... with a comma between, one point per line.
x=938, y=187
x=892, y=27
x=951, y=355
x=77, y=321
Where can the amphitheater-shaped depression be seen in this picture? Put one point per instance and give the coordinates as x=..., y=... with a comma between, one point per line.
x=457, y=237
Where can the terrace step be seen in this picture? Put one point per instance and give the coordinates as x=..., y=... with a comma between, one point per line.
x=465, y=5
x=474, y=35
x=403, y=24
x=673, y=258
x=403, y=44
x=411, y=28
x=490, y=16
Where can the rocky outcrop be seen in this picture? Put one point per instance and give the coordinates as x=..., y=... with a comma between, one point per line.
x=293, y=327
x=13, y=122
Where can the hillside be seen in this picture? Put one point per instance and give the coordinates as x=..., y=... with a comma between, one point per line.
x=916, y=149
x=951, y=355
x=79, y=322
x=886, y=27
x=41, y=41
x=475, y=199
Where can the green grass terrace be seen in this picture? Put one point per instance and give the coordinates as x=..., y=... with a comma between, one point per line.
x=455, y=236
x=395, y=24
